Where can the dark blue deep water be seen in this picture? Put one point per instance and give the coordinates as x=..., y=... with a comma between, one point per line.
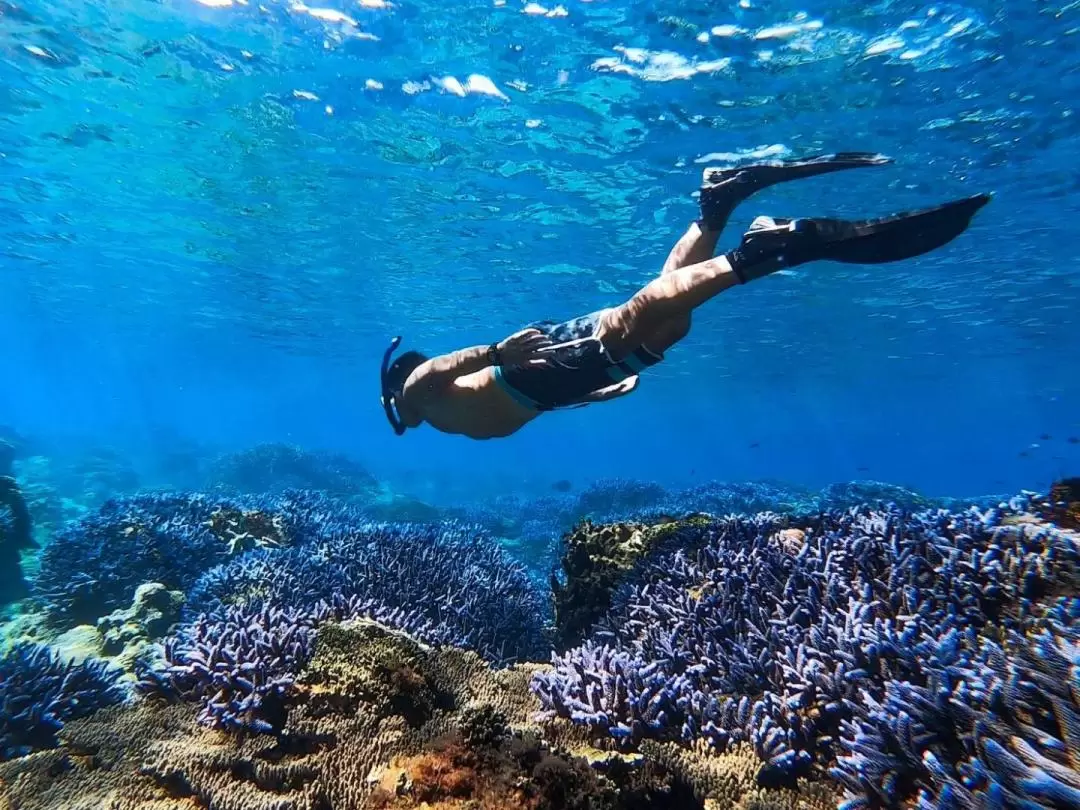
x=214, y=215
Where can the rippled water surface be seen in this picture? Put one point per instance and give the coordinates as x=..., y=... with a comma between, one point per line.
x=213, y=215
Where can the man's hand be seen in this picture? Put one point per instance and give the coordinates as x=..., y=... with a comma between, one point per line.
x=613, y=391
x=523, y=348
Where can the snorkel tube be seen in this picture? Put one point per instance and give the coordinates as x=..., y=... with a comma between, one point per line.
x=389, y=398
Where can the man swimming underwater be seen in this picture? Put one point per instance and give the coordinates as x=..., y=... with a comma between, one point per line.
x=486, y=392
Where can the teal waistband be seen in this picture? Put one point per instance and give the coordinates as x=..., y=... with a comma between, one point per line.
x=517, y=396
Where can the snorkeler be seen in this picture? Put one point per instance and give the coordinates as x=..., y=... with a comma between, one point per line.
x=492, y=391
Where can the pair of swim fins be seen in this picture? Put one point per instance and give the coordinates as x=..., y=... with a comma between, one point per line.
x=773, y=244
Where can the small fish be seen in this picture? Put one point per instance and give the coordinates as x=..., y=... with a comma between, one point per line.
x=1074, y=440
x=562, y=485
x=1024, y=454
x=862, y=469
x=755, y=445
x=1045, y=437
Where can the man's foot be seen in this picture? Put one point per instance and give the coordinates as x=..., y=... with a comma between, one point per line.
x=773, y=244
x=723, y=189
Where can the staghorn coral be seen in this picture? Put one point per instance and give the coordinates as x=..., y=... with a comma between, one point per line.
x=39, y=693
x=444, y=583
x=240, y=660
x=239, y=663
x=93, y=566
x=990, y=725
x=735, y=639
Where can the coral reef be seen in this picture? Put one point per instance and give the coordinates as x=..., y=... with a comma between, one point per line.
x=48, y=508
x=239, y=663
x=619, y=496
x=595, y=560
x=991, y=725
x=97, y=474
x=536, y=526
x=749, y=634
x=39, y=692
x=125, y=633
x=15, y=527
x=871, y=656
x=445, y=583
x=94, y=566
x=378, y=721
x=1062, y=504
x=273, y=467
x=15, y=534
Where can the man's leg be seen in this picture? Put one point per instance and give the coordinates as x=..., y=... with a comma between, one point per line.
x=697, y=245
x=772, y=245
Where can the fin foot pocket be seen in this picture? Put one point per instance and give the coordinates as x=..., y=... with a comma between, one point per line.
x=772, y=244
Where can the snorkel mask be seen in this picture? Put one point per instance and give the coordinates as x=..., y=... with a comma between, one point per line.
x=389, y=397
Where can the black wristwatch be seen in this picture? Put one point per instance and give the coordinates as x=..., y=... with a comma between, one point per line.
x=494, y=355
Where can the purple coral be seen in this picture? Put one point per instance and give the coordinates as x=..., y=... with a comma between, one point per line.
x=252, y=622
x=240, y=662
x=458, y=583
x=39, y=692
x=991, y=725
x=750, y=634
x=94, y=565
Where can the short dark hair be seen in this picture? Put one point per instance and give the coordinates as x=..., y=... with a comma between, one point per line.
x=400, y=370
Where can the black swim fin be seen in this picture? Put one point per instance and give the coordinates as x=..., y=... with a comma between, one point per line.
x=723, y=189
x=774, y=244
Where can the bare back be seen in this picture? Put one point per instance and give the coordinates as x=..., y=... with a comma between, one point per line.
x=477, y=407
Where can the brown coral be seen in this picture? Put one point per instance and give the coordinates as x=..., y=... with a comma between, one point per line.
x=596, y=559
x=1062, y=505
x=247, y=529
x=729, y=780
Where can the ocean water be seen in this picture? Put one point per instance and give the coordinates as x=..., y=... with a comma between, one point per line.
x=215, y=215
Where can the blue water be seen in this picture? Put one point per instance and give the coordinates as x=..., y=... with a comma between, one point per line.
x=214, y=217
